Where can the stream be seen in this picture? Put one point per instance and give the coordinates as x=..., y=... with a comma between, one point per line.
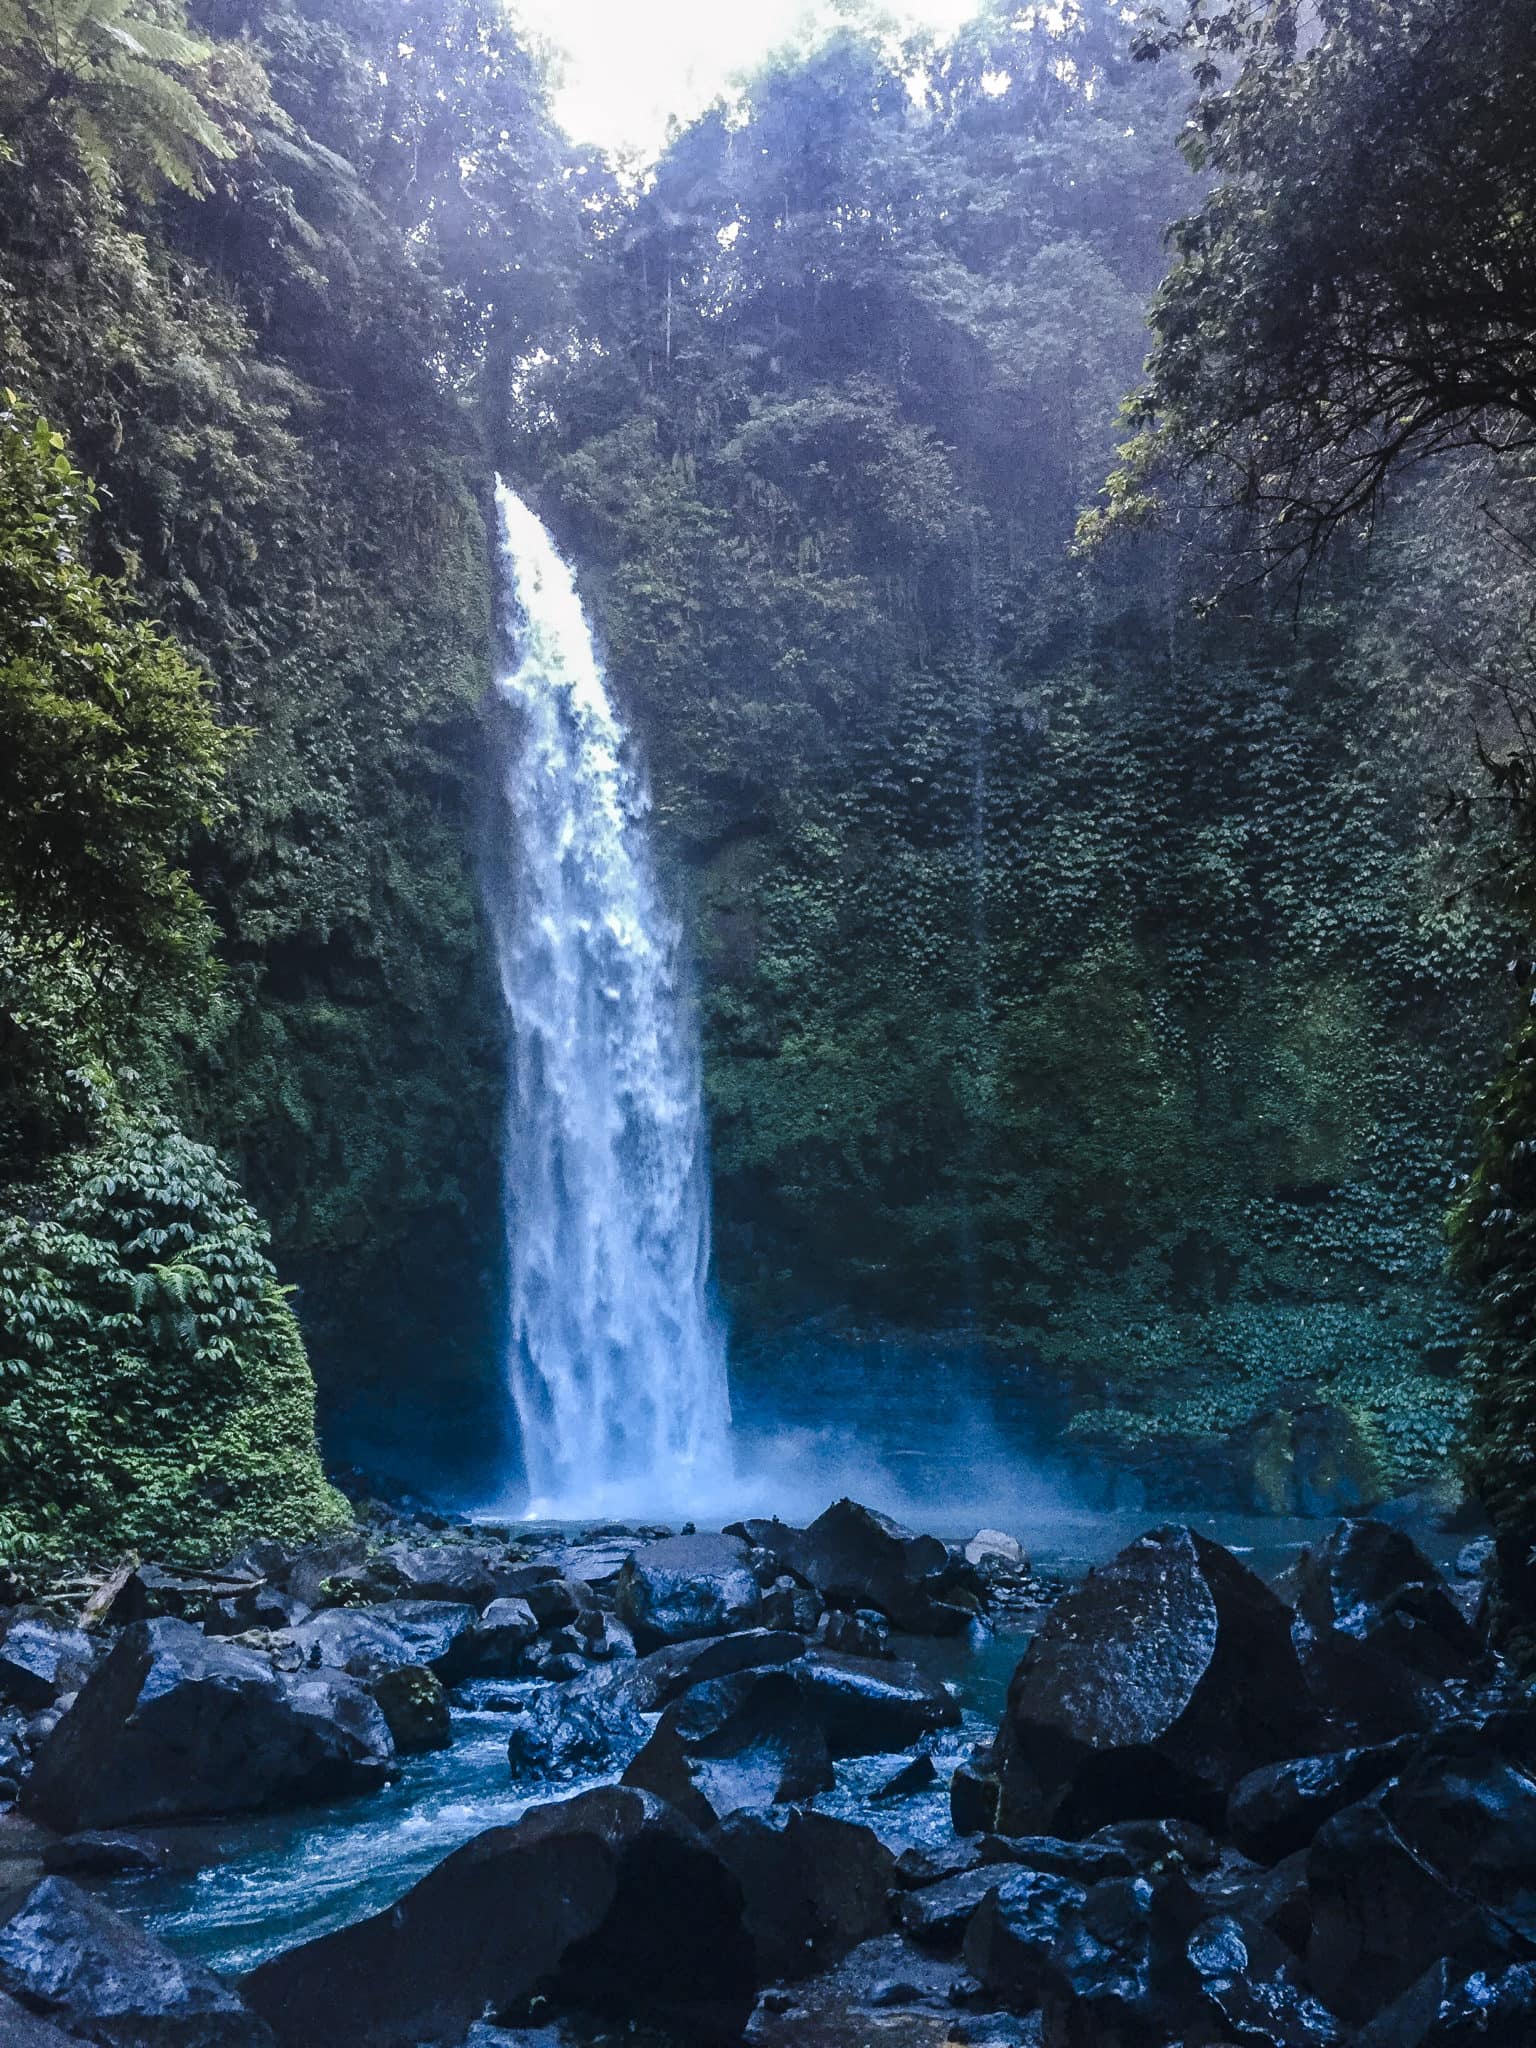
x=238, y=1891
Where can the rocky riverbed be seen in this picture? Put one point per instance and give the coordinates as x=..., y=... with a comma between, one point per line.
x=432, y=1785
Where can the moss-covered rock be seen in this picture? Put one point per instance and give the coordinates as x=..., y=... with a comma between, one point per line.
x=154, y=1390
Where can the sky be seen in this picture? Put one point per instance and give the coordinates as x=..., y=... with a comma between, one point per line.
x=631, y=63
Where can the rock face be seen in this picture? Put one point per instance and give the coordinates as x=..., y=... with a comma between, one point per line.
x=609, y=1904
x=65, y=1957
x=685, y=1587
x=365, y=1641
x=813, y=1887
x=855, y=1558
x=175, y=1724
x=1149, y=1692
x=40, y=1661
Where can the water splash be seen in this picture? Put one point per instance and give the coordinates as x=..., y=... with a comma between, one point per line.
x=617, y=1364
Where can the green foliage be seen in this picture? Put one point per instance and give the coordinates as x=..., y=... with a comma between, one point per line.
x=110, y=761
x=153, y=1384
x=136, y=93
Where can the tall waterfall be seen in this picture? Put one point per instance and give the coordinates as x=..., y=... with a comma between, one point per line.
x=617, y=1365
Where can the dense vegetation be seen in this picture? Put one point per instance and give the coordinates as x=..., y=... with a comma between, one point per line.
x=1085, y=967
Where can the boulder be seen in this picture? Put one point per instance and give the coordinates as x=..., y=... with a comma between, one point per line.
x=40, y=1660
x=364, y=1641
x=267, y=1607
x=665, y=1675
x=66, y=1957
x=1379, y=1632
x=1472, y=1817
x=494, y=1646
x=1013, y=1930
x=813, y=1887
x=993, y=1547
x=310, y=1573
x=175, y=1724
x=1378, y=1910
x=864, y=1634
x=1446, y=2008
x=1278, y=1808
x=685, y=1587
x=1155, y=1846
x=576, y=1730
x=748, y=1740
x=460, y=1573
x=869, y=1706
x=1149, y=1691
x=413, y=1702
x=916, y=1775
x=789, y=1605
x=855, y=1558
x=938, y=1916
x=151, y=1590
x=1250, y=1987
x=608, y=1904
x=100, y=1852
x=20, y=2029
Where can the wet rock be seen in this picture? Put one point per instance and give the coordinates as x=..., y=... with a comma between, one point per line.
x=493, y=1646
x=993, y=1547
x=40, y=1659
x=603, y=1637
x=365, y=1641
x=856, y=1558
x=882, y=1992
x=176, y=1724
x=607, y=1903
x=868, y=1706
x=1250, y=1986
x=151, y=1591
x=67, y=1957
x=1472, y=1817
x=1379, y=1632
x=685, y=1587
x=789, y=1605
x=1446, y=2008
x=938, y=1916
x=1149, y=1691
x=665, y=1675
x=975, y=1793
x=908, y=1778
x=101, y=1852
x=413, y=1702
x=568, y=1731
x=748, y=1740
x=21, y=2029
x=1154, y=1846
x=1009, y=1939
x=813, y=1887
x=309, y=1574
x=455, y=1572
x=1378, y=1910
x=1114, y=1972
x=864, y=1634
x=1276, y=1899
x=259, y=1607
x=1277, y=1809
x=554, y=1600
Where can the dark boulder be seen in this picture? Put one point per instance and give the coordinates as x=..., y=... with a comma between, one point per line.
x=917, y=1774
x=455, y=1572
x=748, y=1740
x=363, y=1641
x=1155, y=1846
x=1014, y=1929
x=311, y=1574
x=102, y=1853
x=64, y=1956
x=1379, y=1633
x=864, y=1634
x=813, y=1887
x=1472, y=1817
x=1278, y=1808
x=176, y=1724
x=413, y=1702
x=608, y=1904
x=871, y=1705
x=938, y=1916
x=151, y=1591
x=855, y=1558
x=665, y=1675
x=575, y=1730
x=41, y=1660
x=21, y=2029
x=233, y=1614
x=789, y=1605
x=1447, y=2008
x=494, y=1646
x=1149, y=1691
x=1252, y=1990
x=554, y=1601
x=1378, y=1910
x=685, y=1587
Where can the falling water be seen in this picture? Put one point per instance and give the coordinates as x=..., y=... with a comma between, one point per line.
x=616, y=1363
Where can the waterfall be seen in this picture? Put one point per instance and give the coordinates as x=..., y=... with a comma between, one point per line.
x=616, y=1362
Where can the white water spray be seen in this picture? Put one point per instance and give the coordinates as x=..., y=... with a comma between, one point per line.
x=617, y=1364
